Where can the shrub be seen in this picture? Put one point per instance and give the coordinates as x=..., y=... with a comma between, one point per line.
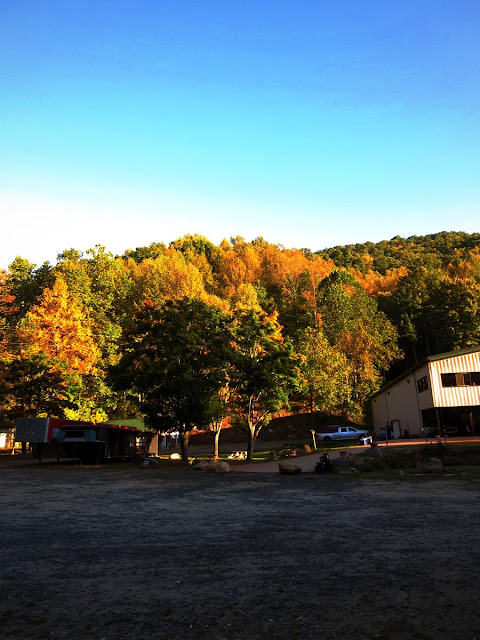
x=402, y=459
x=371, y=464
x=437, y=450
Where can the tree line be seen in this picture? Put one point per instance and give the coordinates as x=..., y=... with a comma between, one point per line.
x=196, y=335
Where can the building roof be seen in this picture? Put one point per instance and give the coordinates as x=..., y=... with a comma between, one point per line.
x=449, y=354
x=137, y=423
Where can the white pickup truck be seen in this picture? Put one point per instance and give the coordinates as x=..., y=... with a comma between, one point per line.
x=335, y=432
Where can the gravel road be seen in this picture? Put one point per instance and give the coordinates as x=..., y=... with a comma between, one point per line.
x=148, y=553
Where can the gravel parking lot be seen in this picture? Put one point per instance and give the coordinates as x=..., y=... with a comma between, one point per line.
x=148, y=553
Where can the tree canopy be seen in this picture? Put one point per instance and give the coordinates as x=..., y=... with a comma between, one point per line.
x=219, y=325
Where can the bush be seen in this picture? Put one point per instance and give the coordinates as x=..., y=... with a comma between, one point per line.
x=371, y=464
x=394, y=460
x=437, y=450
x=403, y=459
x=459, y=459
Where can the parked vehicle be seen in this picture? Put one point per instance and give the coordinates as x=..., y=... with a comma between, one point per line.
x=336, y=432
x=428, y=432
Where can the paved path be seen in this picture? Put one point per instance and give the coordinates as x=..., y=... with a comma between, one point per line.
x=308, y=462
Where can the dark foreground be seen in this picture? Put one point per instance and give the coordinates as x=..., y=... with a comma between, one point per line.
x=138, y=553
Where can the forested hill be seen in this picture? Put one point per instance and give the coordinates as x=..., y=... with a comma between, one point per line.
x=434, y=250
x=328, y=327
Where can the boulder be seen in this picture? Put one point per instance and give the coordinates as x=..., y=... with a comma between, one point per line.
x=150, y=461
x=217, y=467
x=201, y=466
x=429, y=465
x=376, y=452
x=289, y=469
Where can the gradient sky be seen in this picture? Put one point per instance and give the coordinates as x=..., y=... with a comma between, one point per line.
x=310, y=123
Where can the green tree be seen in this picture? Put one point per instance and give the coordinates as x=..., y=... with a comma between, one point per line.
x=406, y=309
x=30, y=386
x=176, y=357
x=354, y=326
x=26, y=283
x=102, y=285
x=219, y=412
x=265, y=371
x=325, y=372
x=452, y=315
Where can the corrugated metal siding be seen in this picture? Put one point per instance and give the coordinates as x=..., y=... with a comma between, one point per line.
x=454, y=396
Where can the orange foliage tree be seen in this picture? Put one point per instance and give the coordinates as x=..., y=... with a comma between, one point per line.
x=58, y=328
x=374, y=282
x=237, y=269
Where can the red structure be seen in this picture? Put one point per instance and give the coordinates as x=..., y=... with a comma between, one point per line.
x=89, y=442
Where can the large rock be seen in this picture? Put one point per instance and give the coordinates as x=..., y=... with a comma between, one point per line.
x=217, y=467
x=201, y=466
x=376, y=452
x=429, y=465
x=150, y=461
x=288, y=468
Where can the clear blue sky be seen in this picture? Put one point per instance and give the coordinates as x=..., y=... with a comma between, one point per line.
x=310, y=123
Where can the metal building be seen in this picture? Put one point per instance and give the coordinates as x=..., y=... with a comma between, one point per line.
x=441, y=395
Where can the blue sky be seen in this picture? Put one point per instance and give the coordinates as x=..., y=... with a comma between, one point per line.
x=309, y=123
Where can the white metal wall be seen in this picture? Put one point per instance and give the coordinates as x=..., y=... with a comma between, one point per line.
x=455, y=396
x=403, y=403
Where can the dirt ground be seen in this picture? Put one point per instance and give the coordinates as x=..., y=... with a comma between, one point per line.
x=125, y=552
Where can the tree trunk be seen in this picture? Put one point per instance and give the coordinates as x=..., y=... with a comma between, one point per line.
x=251, y=431
x=251, y=442
x=184, y=438
x=215, y=447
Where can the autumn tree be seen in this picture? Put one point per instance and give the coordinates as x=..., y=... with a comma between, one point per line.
x=201, y=253
x=167, y=277
x=7, y=310
x=236, y=270
x=57, y=328
x=57, y=334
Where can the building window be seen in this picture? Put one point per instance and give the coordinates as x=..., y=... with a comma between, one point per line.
x=471, y=379
x=449, y=380
x=422, y=384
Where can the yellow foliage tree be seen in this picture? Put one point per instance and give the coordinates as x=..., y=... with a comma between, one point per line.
x=167, y=277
